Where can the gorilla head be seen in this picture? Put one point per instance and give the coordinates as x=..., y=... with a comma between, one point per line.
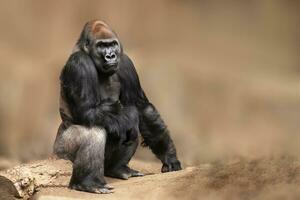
x=102, y=45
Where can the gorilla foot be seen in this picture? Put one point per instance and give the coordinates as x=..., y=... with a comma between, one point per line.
x=135, y=173
x=123, y=172
x=119, y=175
x=106, y=189
x=109, y=187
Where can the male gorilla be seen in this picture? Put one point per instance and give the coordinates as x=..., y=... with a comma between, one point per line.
x=103, y=108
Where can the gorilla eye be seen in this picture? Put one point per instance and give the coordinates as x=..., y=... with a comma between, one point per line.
x=114, y=43
x=107, y=44
x=101, y=44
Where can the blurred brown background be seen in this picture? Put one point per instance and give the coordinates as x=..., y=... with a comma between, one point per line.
x=224, y=75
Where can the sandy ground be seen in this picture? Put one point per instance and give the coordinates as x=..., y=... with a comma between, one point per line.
x=265, y=178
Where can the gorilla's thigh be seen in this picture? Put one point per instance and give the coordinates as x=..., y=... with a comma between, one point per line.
x=79, y=139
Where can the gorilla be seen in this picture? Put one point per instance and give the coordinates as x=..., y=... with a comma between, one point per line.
x=103, y=109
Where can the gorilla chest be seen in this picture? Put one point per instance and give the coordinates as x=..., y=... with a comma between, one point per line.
x=110, y=88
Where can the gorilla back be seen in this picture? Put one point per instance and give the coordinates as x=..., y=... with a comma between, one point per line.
x=103, y=109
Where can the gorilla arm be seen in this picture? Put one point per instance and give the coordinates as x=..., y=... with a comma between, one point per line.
x=152, y=127
x=157, y=137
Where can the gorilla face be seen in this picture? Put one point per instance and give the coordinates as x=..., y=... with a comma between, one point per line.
x=106, y=55
x=102, y=45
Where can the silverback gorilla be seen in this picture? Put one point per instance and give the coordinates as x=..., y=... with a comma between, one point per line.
x=103, y=109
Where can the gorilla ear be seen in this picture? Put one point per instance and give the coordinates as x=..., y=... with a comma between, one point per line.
x=86, y=46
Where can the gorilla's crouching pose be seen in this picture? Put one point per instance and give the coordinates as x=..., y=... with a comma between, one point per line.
x=103, y=109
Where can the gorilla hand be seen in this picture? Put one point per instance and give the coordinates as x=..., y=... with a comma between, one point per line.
x=171, y=166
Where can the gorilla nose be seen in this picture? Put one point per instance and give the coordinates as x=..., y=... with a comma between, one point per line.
x=110, y=57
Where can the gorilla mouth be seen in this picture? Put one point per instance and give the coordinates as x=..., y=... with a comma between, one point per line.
x=110, y=66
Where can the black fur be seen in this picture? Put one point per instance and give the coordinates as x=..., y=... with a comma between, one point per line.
x=151, y=126
x=110, y=96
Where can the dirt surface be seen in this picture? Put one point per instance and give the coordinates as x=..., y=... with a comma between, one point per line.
x=272, y=178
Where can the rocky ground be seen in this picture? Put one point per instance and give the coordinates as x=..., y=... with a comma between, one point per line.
x=272, y=178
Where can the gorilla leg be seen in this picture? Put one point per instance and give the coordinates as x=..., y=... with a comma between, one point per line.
x=118, y=154
x=117, y=158
x=85, y=148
